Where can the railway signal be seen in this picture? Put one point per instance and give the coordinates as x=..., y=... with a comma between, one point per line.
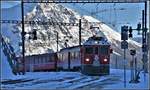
x=139, y=28
x=124, y=37
x=124, y=45
x=34, y=35
x=134, y=74
x=130, y=32
x=124, y=33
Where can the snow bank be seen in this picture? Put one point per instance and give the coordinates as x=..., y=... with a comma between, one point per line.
x=6, y=72
x=144, y=82
x=11, y=12
x=90, y=19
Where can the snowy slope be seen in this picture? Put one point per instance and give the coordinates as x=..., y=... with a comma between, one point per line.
x=5, y=68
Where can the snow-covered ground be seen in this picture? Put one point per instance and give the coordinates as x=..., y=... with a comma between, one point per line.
x=144, y=82
x=73, y=80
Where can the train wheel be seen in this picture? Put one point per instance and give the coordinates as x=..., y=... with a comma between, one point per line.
x=59, y=69
x=76, y=68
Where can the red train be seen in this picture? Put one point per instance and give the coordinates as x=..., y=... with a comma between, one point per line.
x=41, y=62
x=92, y=58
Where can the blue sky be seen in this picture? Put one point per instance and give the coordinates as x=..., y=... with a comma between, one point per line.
x=130, y=16
x=8, y=4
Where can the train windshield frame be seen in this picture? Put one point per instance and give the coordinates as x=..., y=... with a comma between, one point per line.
x=104, y=50
x=89, y=50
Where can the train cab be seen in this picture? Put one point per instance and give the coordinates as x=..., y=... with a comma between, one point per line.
x=95, y=56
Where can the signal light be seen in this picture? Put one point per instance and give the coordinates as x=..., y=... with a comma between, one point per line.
x=130, y=35
x=132, y=52
x=124, y=33
x=34, y=35
x=139, y=26
x=130, y=32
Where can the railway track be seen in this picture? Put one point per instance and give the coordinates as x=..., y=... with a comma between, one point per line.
x=79, y=82
x=82, y=82
x=87, y=82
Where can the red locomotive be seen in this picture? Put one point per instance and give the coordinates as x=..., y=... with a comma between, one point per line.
x=95, y=56
x=91, y=58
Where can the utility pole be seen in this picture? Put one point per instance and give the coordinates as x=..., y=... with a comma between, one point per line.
x=23, y=36
x=124, y=67
x=133, y=64
x=116, y=62
x=57, y=41
x=57, y=49
x=148, y=38
x=80, y=32
x=146, y=47
x=144, y=40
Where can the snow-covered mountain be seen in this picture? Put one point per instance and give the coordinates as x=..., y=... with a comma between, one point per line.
x=46, y=34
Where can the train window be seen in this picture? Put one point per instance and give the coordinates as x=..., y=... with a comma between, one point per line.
x=104, y=50
x=96, y=50
x=40, y=60
x=89, y=50
x=74, y=55
x=62, y=57
x=47, y=59
x=43, y=59
x=34, y=60
x=53, y=58
x=71, y=55
x=78, y=55
x=59, y=56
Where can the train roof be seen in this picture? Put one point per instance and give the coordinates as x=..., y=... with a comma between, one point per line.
x=97, y=41
x=73, y=48
x=44, y=54
x=91, y=41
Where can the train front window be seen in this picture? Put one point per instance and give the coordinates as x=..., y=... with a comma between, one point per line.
x=104, y=50
x=89, y=50
x=96, y=50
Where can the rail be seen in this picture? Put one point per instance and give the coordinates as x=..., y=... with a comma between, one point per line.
x=9, y=53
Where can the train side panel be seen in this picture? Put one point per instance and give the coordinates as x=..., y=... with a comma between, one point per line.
x=43, y=62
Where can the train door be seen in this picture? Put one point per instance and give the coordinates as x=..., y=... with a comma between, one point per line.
x=96, y=61
x=69, y=61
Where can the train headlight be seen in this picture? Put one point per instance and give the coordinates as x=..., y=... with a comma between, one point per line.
x=87, y=59
x=105, y=60
x=96, y=42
